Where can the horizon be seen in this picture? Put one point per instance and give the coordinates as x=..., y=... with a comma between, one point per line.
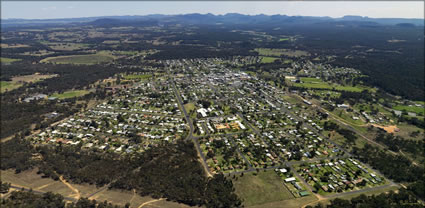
x=65, y=10
x=348, y=15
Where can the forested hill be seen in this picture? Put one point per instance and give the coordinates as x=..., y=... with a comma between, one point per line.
x=233, y=18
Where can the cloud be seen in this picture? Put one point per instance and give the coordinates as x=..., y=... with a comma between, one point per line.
x=70, y=7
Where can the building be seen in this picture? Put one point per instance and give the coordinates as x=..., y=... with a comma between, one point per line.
x=287, y=180
x=35, y=97
x=203, y=112
x=343, y=106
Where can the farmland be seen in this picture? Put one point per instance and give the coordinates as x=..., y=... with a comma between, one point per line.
x=410, y=108
x=18, y=81
x=58, y=46
x=80, y=59
x=7, y=86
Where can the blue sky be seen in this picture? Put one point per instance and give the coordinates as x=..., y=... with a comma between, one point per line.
x=67, y=9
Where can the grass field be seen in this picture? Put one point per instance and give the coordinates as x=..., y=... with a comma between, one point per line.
x=71, y=94
x=406, y=130
x=264, y=188
x=6, y=85
x=20, y=80
x=315, y=83
x=64, y=46
x=413, y=109
x=189, y=107
x=341, y=140
x=280, y=52
x=3, y=45
x=80, y=59
x=267, y=59
x=8, y=60
x=283, y=39
x=347, y=117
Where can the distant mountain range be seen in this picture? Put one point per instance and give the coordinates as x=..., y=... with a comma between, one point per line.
x=208, y=19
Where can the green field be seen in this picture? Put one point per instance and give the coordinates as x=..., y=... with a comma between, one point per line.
x=413, y=109
x=137, y=76
x=18, y=81
x=189, y=107
x=80, y=59
x=266, y=59
x=66, y=46
x=5, y=85
x=8, y=60
x=126, y=52
x=70, y=94
x=283, y=39
x=287, y=61
x=264, y=188
x=315, y=83
x=280, y=52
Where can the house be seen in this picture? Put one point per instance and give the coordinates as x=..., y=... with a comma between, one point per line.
x=283, y=170
x=287, y=180
x=343, y=106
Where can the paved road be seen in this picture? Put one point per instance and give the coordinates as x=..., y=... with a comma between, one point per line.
x=359, y=191
x=186, y=116
x=190, y=136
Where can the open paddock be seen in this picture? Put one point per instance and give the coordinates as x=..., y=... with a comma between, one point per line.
x=80, y=59
x=20, y=80
x=262, y=188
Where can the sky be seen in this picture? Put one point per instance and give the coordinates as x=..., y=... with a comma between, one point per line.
x=69, y=9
